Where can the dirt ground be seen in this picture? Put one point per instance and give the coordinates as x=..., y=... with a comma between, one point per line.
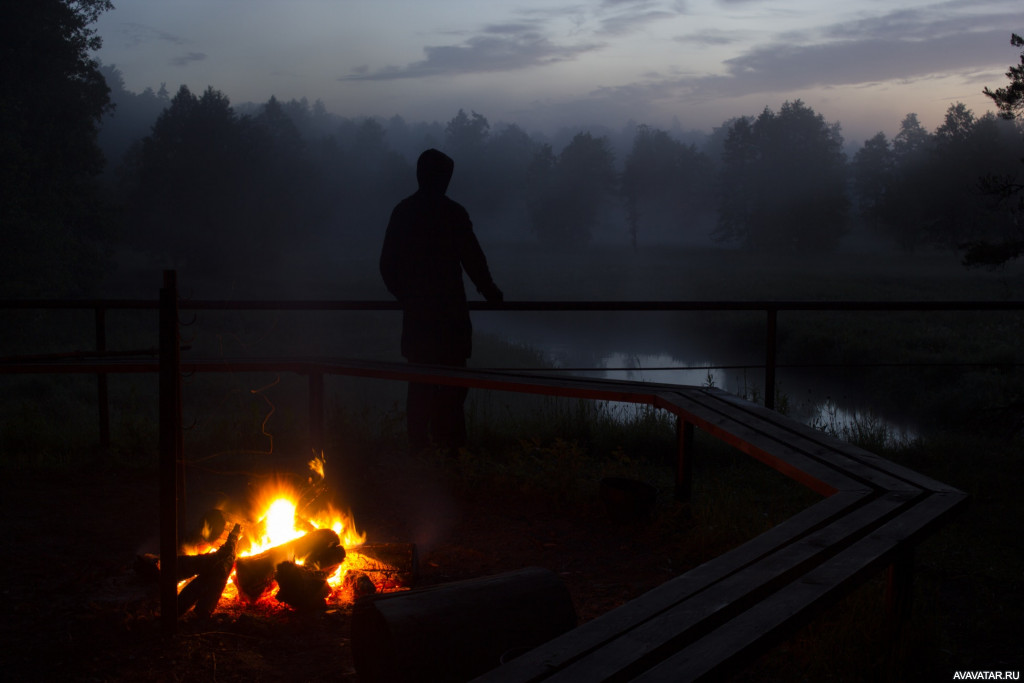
x=74, y=609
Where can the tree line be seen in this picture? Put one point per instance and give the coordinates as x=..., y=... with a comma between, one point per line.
x=207, y=182
x=194, y=182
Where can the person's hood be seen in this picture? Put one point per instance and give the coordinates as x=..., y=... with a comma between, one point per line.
x=434, y=171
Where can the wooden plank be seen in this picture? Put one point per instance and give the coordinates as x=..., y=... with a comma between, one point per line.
x=598, y=633
x=812, y=443
x=638, y=649
x=595, y=633
x=797, y=602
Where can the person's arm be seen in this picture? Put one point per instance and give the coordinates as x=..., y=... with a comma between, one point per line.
x=475, y=264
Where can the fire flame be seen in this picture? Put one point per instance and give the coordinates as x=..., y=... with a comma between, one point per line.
x=283, y=514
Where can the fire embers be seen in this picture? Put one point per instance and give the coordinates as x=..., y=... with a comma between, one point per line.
x=309, y=573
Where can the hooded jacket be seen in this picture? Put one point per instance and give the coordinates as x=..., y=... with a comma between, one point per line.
x=428, y=244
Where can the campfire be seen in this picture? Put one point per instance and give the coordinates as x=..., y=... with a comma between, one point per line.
x=290, y=546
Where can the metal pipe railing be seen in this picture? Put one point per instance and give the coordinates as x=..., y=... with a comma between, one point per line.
x=771, y=309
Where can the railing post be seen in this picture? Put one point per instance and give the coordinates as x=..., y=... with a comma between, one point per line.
x=101, y=382
x=684, y=460
x=171, y=450
x=769, y=361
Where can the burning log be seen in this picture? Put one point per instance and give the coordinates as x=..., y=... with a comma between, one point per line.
x=203, y=592
x=459, y=630
x=388, y=565
x=254, y=574
x=303, y=588
x=325, y=558
x=355, y=585
x=147, y=565
x=187, y=566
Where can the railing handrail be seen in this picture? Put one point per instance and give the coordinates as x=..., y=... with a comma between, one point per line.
x=533, y=305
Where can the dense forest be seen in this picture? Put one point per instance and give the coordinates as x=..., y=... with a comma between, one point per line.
x=94, y=174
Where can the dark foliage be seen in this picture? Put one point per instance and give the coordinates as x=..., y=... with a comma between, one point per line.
x=665, y=185
x=1006, y=189
x=50, y=105
x=579, y=183
x=783, y=182
x=1010, y=99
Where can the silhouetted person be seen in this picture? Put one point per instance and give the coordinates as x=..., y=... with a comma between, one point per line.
x=429, y=241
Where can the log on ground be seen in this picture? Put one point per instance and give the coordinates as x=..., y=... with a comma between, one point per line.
x=456, y=631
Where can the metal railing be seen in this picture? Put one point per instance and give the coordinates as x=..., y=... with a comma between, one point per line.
x=101, y=361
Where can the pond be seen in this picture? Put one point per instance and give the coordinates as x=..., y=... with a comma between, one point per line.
x=648, y=347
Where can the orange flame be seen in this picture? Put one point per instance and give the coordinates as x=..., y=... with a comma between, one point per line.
x=279, y=519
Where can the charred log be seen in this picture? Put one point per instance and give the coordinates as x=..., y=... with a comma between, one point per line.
x=254, y=575
x=203, y=592
x=356, y=585
x=457, y=631
x=188, y=566
x=325, y=558
x=302, y=588
x=147, y=565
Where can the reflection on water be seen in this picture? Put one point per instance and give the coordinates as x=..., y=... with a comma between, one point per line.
x=665, y=369
x=859, y=425
x=815, y=408
x=592, y=347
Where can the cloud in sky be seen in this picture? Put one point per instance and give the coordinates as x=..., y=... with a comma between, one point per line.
x=606, y=60
x=529, y=39
x=498, y=47
x=186, y=59
x=782, y=67
x=134, y=35
x=634, y=16
x=901, y=46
